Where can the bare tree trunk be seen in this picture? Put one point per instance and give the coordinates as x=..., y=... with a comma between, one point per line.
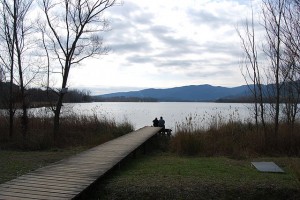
x=60, y=99
x=24, y=118
x=11, y=108
x=19, y=17
x=11, y=95
x=277, y=82
x=57, y=117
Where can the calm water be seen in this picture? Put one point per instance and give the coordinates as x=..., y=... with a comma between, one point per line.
x=141, y=114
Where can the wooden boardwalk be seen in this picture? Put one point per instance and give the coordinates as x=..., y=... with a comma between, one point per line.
x=67, y=178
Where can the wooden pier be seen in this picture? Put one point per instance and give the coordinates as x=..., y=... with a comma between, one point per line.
x=67, y=178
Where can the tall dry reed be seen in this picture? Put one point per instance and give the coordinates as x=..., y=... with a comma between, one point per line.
x=232, y=137
x=74, y=131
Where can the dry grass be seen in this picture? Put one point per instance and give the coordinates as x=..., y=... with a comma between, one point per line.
x=74, y=131
x=234, y=138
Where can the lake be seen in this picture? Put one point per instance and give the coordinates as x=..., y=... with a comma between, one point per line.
x=141, y=114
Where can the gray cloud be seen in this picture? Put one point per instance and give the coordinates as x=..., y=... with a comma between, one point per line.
x=140, y=59
x=166, y=36
x=217, y=47
x=204, y=17
x=160, y=30
x=124, y=10
x=126, y=35
x=205, y=74
x=131, y=12
x=178, y=63
x=174, y=47
x=143, y=18
x=171, y=39
x=175, y=42
x=213, y=20
x=133, y=29
x=130, y=47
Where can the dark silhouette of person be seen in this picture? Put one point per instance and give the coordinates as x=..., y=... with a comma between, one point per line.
x=155, y=122
x=161, y=123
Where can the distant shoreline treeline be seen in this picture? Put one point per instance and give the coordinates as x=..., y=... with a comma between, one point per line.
x=37, y=97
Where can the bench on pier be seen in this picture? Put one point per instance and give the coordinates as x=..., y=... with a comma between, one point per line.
x=166, y=131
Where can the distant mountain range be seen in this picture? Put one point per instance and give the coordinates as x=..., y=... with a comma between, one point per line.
x=196, y=93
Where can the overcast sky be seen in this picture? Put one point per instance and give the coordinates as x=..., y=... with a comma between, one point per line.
x=167, y=43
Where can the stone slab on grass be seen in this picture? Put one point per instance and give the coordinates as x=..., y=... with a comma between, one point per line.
x=267, y=167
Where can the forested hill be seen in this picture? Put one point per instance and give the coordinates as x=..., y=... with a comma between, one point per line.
x=184, y=93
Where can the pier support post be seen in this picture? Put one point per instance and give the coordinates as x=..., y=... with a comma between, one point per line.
x=144, y=148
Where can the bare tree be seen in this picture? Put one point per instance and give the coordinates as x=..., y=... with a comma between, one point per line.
x=7, y=56
x=273, y=18
x=22, y=31
x=280, y=68
x=252, y=70
x=15, y=32
x=292, y=30
x=71, y=34
x=291, y=93
x=291, y=68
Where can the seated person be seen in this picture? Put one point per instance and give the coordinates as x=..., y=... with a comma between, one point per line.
x=161, y=123
x=155, y=122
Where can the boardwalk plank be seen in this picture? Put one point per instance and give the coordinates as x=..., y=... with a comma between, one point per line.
x=78, y=169
x=6, y=197
x=53, y=179
x=43, y=185
x=17, y=195
x=82, y=171
x=57, y=189
x=67, y=178
x=67, y=173
x=47, y=193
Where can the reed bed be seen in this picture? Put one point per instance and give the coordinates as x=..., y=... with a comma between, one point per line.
x=235, y=138
x=75, y=130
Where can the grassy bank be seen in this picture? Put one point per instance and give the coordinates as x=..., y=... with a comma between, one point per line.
x=168, y=176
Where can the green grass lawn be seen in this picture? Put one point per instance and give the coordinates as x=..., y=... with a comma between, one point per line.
x=16, y=163
x=167, y=176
